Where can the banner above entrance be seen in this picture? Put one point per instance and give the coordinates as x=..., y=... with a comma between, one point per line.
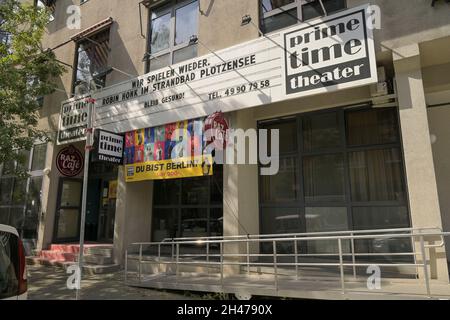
x=323, y=55
x=175, y=150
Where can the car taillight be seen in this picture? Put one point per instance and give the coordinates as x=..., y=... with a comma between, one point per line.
x=22, y=270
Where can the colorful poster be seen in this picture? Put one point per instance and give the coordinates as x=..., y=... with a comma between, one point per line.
x=112, y=189
x=170, y=151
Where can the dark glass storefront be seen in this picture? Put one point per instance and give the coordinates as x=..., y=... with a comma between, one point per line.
x=339, y=170
x=191, y=207
x=100, y=209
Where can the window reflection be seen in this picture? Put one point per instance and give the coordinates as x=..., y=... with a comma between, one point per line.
x=352, y=166
x=189, y=207
x=92, y=63
x=160, y=33
x=186, y=19
x=324, y=178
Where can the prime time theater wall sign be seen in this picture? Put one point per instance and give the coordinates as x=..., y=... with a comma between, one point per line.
x=323, y=55
x=333, y=54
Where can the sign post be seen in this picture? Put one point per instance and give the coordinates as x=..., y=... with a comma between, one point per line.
x=89, y=135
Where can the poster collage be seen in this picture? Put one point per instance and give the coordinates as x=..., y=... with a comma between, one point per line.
x=168, y=142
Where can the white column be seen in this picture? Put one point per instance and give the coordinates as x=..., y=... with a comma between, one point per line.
x=420, y=173
x=240, y=199
x=133, y=214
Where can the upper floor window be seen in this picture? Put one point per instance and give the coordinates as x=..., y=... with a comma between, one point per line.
x=49, y=4
x=91, y=63
x=20, y=197
x=277, y=14
x=171, y=28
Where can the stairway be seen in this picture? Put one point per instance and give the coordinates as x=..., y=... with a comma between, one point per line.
x=98, y=258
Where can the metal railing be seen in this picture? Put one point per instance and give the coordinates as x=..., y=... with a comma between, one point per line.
x=209, y=253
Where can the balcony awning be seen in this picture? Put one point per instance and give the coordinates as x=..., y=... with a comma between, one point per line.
x=93, y=29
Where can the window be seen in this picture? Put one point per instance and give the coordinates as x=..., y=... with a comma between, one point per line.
x=339, y=170
x=20, y=198
x=91, y=63
x=5, y=37
x=171, y=28
x=190, y=207
x=49, y=5
x=278, y=14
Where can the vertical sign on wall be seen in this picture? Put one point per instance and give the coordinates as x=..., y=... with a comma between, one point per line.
x=108, y=147
x=73, y=120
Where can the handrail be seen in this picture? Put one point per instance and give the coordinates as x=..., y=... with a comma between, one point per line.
x=417, y=236
x=303, y=234
x=287, y=239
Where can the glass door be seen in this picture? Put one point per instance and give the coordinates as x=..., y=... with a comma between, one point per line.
x=107, y=211
x=68, y=214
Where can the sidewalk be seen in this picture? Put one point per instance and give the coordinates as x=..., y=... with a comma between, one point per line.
x=49, y=283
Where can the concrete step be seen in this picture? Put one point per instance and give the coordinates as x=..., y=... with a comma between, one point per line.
x=98, y=259
x=58, y=255
x=48, y=262
x=99, y=249
x=87, y=268
x=100, y=269
x=105, y=251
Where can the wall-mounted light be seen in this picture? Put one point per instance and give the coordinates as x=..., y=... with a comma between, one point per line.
x=246, y=20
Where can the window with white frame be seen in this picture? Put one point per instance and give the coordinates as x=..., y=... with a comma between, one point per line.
x=278, y=14
x=171, y=28
x=20, y=198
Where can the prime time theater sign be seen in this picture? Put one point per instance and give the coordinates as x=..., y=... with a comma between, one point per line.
x=328, y=55
x=73, y=120
x=323, y=55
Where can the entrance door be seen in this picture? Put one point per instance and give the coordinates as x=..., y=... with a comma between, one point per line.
x=107, y=211
x=68, y=213
x=92, y=211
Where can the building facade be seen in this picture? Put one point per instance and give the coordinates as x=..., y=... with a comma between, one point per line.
x=361, y=154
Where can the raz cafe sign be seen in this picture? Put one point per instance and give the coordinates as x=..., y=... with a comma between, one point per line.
x=69, y=161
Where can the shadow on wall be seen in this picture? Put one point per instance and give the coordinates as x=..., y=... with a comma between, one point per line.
x=120, y=58
x=61, y=15
x=406, y=18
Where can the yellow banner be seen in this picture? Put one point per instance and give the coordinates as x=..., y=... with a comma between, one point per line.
x=170, y=169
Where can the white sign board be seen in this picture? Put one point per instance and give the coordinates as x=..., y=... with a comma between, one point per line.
x=73, y=121
x=328, y=55
x=323, y=55
x=108, y=147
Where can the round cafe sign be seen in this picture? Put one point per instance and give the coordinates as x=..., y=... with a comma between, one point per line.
x=70, y=161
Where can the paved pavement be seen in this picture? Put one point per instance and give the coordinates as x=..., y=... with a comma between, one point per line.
x=49, y=283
